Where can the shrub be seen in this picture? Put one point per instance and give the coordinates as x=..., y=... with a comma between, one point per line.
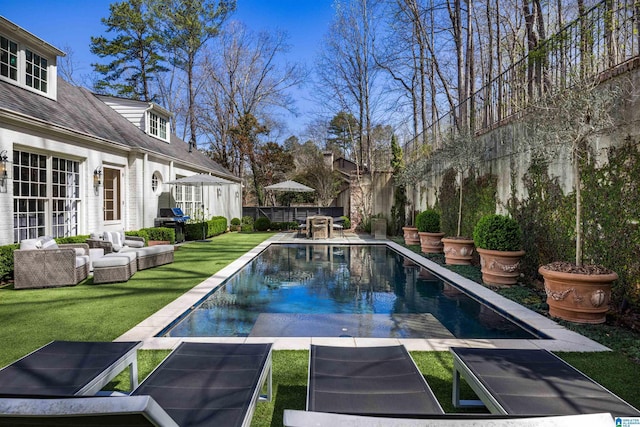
x=246, y=228
x=428, y=221
x=346, y=222
x=161, y=233
x=247, y=220
x=6, y=260
x=72, y=239
x=262, y=224
x=235, y=222
x=497, y=233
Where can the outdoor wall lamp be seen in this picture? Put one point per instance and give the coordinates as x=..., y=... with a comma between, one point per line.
x=4, y=172
x=219, y=191
x=97, y=178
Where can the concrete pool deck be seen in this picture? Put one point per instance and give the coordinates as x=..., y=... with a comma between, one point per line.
x=560, y=338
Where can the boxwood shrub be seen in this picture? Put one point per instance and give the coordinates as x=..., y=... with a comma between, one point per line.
x=262, y=224
x=428, y=221
x=497, y=233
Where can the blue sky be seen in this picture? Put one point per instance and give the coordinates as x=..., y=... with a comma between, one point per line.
x=71, y=23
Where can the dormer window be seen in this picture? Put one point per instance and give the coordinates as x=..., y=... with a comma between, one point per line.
x=36, y=71
x=157, y=125
x=26, y=60
x=157, y=122
x=8, y=58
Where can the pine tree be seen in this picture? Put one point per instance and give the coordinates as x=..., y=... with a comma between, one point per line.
x=135, y=48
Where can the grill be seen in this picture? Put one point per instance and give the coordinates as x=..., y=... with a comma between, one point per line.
x=173, y=218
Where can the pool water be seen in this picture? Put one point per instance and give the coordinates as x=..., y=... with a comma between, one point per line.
x=307, y=290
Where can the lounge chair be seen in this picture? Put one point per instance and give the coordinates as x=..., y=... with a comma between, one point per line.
x=198, y=384
x=530, y=382
x=203, y=384
x=293, y=418
x=381, y=381
x=69, y=368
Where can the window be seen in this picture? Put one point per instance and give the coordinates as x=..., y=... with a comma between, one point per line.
x=157, y=126
x=155, y=181
x=23, y=66
x=44, y=188
x=8, y=58
x=189, y=199
x=112, y=194
x=35, y=71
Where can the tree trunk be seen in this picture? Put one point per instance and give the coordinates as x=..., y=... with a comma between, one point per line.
x=577, y=182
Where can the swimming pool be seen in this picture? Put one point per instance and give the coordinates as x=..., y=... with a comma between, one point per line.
x=297, y=290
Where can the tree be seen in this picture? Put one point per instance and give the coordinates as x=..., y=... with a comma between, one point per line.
x=398, y=214
x=570, y=121
x=245, y=134
x=343, y=130
x=186, y=26
x=242, y=77
x=136, y=51
x=274, y=164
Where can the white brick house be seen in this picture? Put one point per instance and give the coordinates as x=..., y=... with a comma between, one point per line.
x=77, y=162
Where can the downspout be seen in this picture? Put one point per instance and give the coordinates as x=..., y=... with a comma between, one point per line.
x=145, y=182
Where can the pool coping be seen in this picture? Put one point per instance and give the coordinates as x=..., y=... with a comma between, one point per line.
x=560, y=338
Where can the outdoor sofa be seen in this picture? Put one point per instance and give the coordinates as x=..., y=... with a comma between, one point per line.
x=116, y=242
x=198, y=384
x=42, y=263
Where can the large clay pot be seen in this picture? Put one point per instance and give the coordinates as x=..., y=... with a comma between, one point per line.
x=458, y=251
x=411, y=236
x=500, y=268
x=580, y=298
x=431, y=243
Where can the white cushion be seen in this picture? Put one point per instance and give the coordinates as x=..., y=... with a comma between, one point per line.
x=111, y=261
x=30, y=244
x=114, y=238
x=153, y=250
x=131, y=256
x=82, y=260
x=95, y=236
x=134, y=243
x=47, y=242
x=79, y=251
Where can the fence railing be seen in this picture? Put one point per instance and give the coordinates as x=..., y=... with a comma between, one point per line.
x=603, y=38
x=290, y=213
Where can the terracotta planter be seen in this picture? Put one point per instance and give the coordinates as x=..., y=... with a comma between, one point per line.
x=411, y=236
x=157, y=242
x=431, y=243
x=500, y=268
x=458, y=251
x=580, y=298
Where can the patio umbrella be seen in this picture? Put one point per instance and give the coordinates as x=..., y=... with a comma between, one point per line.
x=201, y=180
x=290, y=186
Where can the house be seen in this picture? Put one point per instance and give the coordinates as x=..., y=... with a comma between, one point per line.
x=73, y=162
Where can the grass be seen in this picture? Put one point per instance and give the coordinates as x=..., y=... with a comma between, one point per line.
x=87, y=312
x=31, y=318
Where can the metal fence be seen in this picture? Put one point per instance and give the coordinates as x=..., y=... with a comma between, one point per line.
x=603, y=38
x=290, y=213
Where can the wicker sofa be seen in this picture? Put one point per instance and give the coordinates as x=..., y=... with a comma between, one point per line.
x=114, y=241
x=42, y=263
x=117, y=243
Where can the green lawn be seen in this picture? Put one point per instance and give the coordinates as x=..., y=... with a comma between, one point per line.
x=87, y=312
x=31, y=318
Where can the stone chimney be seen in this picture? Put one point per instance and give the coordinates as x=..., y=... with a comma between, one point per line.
x=328, y=159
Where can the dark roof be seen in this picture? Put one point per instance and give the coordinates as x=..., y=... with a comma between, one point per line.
x=79, y=110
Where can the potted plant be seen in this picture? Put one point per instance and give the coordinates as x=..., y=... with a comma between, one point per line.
x=428, y=225
x=463, y=152
x=235, y=224
x=498, y=240
x=571, y=120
